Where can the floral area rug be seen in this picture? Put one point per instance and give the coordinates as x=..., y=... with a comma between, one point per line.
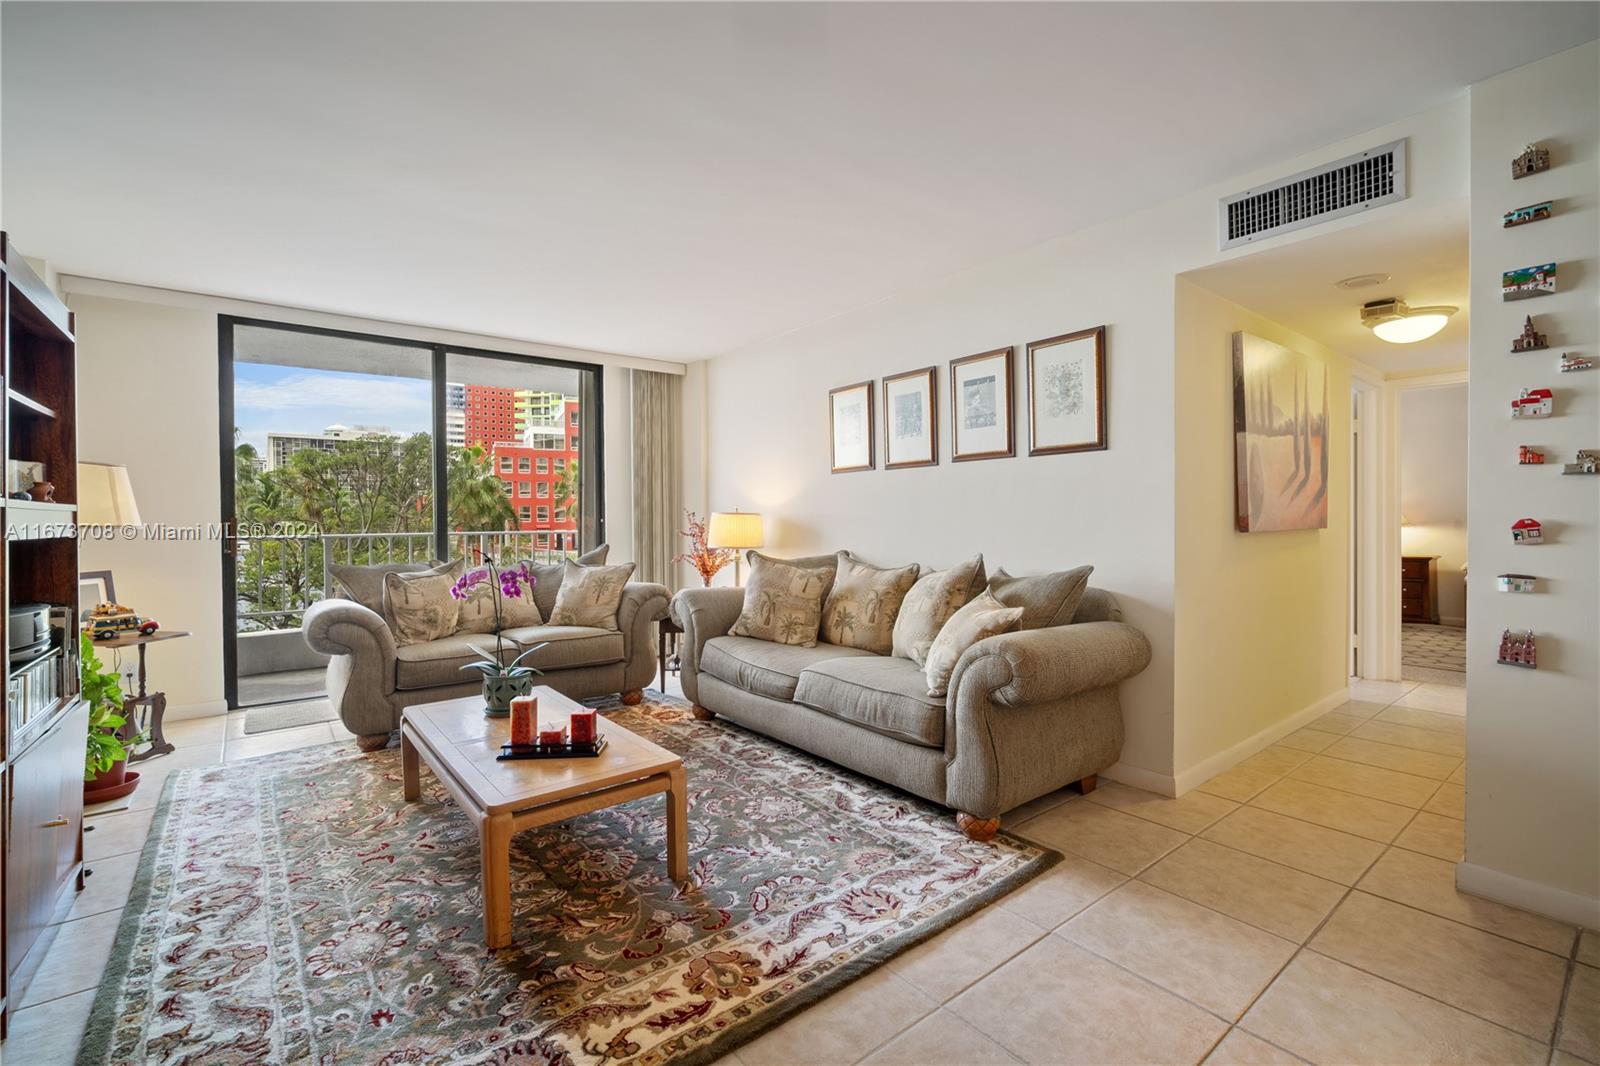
x=294, y=908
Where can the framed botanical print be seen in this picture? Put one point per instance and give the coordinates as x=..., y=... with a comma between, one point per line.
x=910, y=419
x=1067, y=393
x=980, y=406
x=851, y=425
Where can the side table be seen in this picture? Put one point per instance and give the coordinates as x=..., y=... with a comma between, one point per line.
x=154, y=703
x=668, y=632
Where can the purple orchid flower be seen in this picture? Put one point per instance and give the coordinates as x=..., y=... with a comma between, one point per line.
x=515, y=582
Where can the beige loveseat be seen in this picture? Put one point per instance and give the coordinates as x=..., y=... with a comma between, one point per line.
x=371, y=678
x=1025, y=713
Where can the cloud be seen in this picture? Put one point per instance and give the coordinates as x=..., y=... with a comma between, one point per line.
x=356, y=394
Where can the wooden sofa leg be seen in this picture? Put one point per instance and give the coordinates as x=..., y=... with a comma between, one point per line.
x=705, y=714
x=979, y=829
x=1086, y=785
x=370, y=742
x=633, y=697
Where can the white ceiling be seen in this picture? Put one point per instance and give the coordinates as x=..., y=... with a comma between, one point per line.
x=671, y=180
x=1423, y=252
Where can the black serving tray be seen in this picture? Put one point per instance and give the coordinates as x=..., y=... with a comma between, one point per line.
x=551, y=751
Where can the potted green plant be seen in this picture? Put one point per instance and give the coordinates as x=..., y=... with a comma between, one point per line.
x=105, y=761
x=502, y=681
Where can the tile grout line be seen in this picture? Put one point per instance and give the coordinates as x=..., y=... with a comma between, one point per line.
x=1566, y=993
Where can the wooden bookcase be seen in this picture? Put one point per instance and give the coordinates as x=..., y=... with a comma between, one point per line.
x=41, y=758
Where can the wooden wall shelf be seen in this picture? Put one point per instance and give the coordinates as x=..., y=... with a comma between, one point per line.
x=29, y=405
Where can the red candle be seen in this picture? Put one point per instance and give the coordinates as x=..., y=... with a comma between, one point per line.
x=552, y=737
x=524, y=712
x=583, y=727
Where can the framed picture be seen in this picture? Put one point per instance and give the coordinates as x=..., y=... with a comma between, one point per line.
x=1280, y=424
x=1067, y=393
x=851, y=426
x=911, y=419
x=95, y=586
x=980, y=407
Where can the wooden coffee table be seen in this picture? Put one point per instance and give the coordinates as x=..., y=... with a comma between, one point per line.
x=459, y=744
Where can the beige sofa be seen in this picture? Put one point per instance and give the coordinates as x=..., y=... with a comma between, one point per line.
x=1026, y=712
x=371, y=679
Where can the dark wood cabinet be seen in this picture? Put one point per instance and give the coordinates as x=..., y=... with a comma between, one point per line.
x=44, y=724
x=1419, y=589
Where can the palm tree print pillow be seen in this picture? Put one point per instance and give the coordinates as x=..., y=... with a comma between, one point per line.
x=782, y=602
x=590, y=595
x=865, y=600
x=419, y=606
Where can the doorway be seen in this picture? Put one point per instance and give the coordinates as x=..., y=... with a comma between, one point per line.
x=1431, y=442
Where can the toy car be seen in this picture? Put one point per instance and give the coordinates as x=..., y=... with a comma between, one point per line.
x=107, y=626
x=148, y=626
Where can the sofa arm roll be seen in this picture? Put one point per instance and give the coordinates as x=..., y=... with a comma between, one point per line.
x=643, y=602
x=1040, y=665
x=344, y=627
x=702, y=614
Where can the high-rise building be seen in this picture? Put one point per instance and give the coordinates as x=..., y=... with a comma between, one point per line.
x=280, y=446
x=534, y=468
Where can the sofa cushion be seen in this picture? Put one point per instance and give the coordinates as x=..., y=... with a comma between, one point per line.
x=1046, y=599
x=568, y=646
x=783, y=602
x=438, y=662
x=864, y=602
x=885, y=694
x=928, y=606
x=765, y=668
x=982, y=618
x=421, y=607
x=590, y=595
x=364, y=584
x=547, y=576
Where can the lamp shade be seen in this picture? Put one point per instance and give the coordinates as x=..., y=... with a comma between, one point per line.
x=735, y=529
x=105, y=496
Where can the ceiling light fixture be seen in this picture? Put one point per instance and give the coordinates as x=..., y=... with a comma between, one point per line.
x=1396, y=323
x=1363, y=281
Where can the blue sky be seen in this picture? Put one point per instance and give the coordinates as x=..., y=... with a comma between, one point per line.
x=285, y=399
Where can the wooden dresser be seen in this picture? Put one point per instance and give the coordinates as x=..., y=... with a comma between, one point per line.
x=1419, y=588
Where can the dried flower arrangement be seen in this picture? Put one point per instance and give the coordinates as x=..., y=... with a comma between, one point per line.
x=706, y=560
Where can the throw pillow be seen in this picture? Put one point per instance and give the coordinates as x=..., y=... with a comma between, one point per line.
x=1045, y=599
x=983, y=617
x=590, y=595
x=364, y=584
x=477, y=610
x=930, y=603
x=419, y=605
x=782, y=602
x=548, y=577
x=829, y=563
x=862, y=606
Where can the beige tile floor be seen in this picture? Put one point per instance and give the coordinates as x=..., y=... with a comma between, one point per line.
x=1300, y=907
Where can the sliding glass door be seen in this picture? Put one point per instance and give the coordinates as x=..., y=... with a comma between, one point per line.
x=342, y=448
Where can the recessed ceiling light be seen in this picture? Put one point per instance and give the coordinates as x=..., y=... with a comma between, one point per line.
x=1362, y=281
x=1396, y=323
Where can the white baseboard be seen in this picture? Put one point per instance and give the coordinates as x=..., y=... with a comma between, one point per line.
x=1548, y=900
x=1139, y=777
x=210, y=708
x=1227, y=759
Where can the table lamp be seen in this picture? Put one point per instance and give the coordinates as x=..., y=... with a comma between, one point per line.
x=105, y=496
x=737, y=530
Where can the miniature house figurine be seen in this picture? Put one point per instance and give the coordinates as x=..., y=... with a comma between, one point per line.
x=1531, y=339
x=1533, y=160
x=1528, y=455
x=1518, y=651
x=1588, y=462
x=1524, y=282
x=1523, y=215
x=1517, y=582
x=1527, y=531
x=1533, y=403
x=1573, y=361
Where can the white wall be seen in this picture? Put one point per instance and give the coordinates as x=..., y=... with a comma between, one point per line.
x=1533, y=737
x=1433, y=488
x=767, y=418
x=148, y=399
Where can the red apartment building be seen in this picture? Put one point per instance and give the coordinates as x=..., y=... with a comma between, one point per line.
x=490, y=415
x=531, y=469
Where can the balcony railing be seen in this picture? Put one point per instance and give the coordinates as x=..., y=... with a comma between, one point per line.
x=277, y=578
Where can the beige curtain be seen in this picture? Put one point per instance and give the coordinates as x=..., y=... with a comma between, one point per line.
x=657, y=470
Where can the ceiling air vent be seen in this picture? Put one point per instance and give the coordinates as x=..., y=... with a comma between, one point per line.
x=1355, y=183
